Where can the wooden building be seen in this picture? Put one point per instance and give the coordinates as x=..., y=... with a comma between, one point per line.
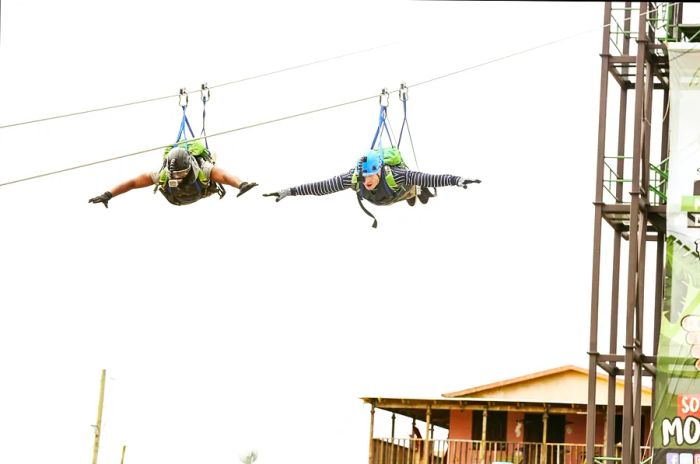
x=538, y=418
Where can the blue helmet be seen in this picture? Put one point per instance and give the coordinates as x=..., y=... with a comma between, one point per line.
x=372, y=163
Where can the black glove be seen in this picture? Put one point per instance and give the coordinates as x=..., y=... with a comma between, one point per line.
x=462, y=182
x=104, y=198
x=245, y=186
x=280, y=195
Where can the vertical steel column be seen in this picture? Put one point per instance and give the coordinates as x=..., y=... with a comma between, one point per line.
x=615, y=289
x=610, y=411
x=639, y=322
x=635, y=241
x=595, y=284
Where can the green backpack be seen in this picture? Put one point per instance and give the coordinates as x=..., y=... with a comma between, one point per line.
x=392, y=157
x=195, y=147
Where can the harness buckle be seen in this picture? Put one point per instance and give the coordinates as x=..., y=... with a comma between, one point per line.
x=384, y=98
x=403, y=92
x=183, y=92
x=207, y=97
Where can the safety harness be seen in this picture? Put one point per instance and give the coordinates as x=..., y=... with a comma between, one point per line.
x=388, y=191
x=199, y=185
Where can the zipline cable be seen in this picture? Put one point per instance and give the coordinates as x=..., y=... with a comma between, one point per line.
x=317, y=110
x=162, y=147
x=528, y=50
x=238, y=81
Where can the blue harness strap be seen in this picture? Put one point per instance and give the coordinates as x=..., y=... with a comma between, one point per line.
x=380, y=128
x=182, y=135
x=184, y=124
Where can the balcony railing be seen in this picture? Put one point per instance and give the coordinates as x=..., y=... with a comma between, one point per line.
x=658, y=179
x=413, y=451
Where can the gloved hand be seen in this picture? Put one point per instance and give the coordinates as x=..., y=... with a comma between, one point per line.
x=281, y=194
x=245, y=186
x=104, y=198
x=462, y=182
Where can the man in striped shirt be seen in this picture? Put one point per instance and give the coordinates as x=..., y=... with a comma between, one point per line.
x=379, y=182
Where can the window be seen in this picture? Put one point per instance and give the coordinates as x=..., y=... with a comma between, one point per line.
x=496, y=425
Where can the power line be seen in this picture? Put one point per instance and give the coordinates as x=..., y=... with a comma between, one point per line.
x=149, y=100
x=528, y=50
x=505, y=57
x=317, y=110
x=291, y=68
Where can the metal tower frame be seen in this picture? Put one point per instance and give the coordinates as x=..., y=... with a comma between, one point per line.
x=630, y=198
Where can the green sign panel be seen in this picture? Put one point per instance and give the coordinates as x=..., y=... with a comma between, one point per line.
x=676, y=427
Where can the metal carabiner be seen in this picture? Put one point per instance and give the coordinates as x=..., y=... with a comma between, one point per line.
x=206, y=98
x=183, y=91
x=384, y=98
x=403, y=92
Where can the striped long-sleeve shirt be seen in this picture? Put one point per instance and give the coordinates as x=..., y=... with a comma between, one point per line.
x=401, y=176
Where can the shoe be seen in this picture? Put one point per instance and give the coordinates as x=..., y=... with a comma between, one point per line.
x=424, y=195
x=411, y=201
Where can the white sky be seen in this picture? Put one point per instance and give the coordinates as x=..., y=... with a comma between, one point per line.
x=242, y=324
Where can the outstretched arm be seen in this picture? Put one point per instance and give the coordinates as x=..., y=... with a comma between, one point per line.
x=140, y=181
x=324, y=187
x=222, y=177
x=407, y=177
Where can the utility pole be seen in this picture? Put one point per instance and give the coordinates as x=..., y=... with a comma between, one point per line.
x=98, y=426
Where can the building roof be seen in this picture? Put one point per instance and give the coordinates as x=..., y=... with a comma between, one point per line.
x=440, y=407
x=562, y=390
x=565, y=384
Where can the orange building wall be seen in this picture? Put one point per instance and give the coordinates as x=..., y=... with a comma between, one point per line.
x=515, y=427
x=599, y=429
x=460, y=425
x=575, y=428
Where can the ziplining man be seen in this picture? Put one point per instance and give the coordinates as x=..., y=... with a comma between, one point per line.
x=188, y=175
